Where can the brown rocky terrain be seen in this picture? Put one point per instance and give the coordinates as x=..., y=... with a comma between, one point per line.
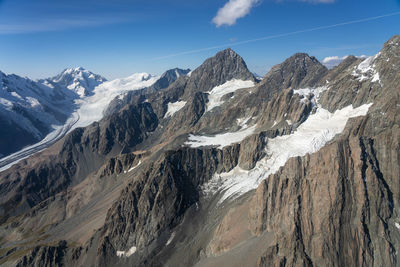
x=131, y=191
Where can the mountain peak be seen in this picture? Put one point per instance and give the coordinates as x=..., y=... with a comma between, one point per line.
x=299, y=70
x=168, y=77
x=79, y=80
x=224, y=66
x=394, y=41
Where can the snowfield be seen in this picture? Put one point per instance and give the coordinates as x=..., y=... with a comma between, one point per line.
x=91, y=108
x=174, y=107
x=215, y=95
x=127, y=253
x=311, y=136
x=220, y=140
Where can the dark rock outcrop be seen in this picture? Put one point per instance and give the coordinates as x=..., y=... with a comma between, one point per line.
x=224, y=66
x=45, y=256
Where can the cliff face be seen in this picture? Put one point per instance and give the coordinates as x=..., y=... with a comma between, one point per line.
x=219, y=170
x=339, y=206
x=332, y=208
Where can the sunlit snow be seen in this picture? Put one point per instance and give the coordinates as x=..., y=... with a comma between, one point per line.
x=309, y=137
x=215, y=95
x=170, y=239
x=306, y=92
x=174, y=107
x=367, y=70
x=127, y=253
x=92, y=107
x=134, y=167
x=220, y=140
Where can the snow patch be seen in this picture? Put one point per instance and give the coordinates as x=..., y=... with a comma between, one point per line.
x=177, y=74
x=33, y=102
x=131, y=169
x=127, y=253
x=242, y=122
x=174, y=107
x=170, y=239
x=215, y=95
x=367, y=70
x=315, y=92
x=6, y=103
x=220, y=140
x=376, y=78
x=397, y=225
x=320, y=128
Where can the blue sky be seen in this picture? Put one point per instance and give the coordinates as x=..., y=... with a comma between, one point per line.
x=116, y=38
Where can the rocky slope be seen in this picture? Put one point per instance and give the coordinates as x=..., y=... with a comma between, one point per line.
x=219, y=169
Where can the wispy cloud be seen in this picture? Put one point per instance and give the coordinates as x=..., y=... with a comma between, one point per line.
x=270, y=37
x=232, y=11
x=57, y=24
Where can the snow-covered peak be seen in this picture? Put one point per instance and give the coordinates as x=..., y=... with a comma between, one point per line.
x=133, y=82
x=78, y=80
x=92, y=107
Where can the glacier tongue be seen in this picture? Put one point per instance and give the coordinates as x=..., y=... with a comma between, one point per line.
x=309, y=137
x=220, y=140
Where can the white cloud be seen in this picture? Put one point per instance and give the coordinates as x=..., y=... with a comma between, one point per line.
x=331, y=62
x=233, y=10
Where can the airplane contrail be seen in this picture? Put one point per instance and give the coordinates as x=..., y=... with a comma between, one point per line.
x=278, y=35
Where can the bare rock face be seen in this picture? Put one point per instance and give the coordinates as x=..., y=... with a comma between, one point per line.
x=78, y=154
x=160, y=196
x=334, y=207
x=298, y=71
x=251, y=151
x=45, y=256
x=364, y=80
x=225, y=66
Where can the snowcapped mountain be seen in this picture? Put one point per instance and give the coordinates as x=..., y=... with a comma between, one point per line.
x=219, y=169
x=29, y=110
x=78, y=80
x=44, y=111
x=92, y=108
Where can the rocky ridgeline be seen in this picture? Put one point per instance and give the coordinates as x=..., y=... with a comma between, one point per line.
x=335, y=207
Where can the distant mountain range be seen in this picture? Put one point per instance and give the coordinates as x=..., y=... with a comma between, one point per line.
x=30, y=110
